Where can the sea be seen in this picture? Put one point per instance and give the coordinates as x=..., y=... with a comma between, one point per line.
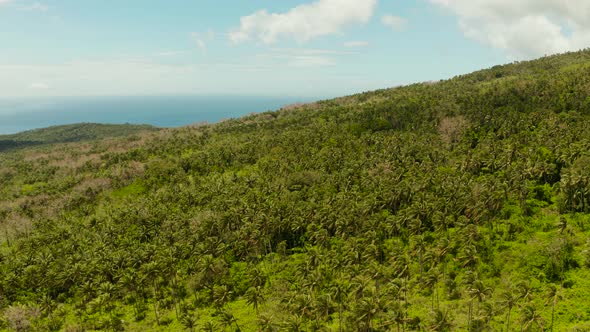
x=20, y=114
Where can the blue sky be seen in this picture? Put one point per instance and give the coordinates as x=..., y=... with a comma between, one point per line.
x=315, y=48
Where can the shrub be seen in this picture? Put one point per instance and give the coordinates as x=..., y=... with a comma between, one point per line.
x=21, y=318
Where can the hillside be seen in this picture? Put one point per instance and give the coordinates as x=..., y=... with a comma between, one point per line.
x=67, y=134
x=459, y=205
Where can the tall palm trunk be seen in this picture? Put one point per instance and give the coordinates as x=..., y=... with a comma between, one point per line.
x=470, y=313
x=340, y=316
x=406, y=301
x=508, y=320
x=156, y=304
x=553, y=313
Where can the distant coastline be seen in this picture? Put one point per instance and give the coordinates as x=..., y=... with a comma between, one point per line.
x=21, y=114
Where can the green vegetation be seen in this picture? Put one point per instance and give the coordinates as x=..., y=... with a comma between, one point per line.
x=67, y=134
x=459, y=205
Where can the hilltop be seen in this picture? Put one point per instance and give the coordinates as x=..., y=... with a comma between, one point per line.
x=458, y=205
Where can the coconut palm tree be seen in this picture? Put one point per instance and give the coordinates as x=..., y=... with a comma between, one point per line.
x=431, y=281
x=228, y=319
x=266, y=324
x=209, y=326
x=257, y=277
x=553, y=295
x=188, y=321
x=525, y=291
x=477, y=290
x=294, y=323
x=366, y=310
x=339, y=291
x=254, y=297
x=221, y=295
x=508, y=300
x=440, y=321
x=531, y=317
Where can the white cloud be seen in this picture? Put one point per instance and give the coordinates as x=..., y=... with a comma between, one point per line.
x=355, y=44
x=200, y=42
x=300, y=58
x=310, y=51
x=201, y=39
x=5, y=2
x=310, y=61
x=394, y=22
x=103, y=77
x=524, y=28
x=39, y=86
x=304, y=22
x=169, y=53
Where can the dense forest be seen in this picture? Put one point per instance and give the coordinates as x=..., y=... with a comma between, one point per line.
x=459, y=205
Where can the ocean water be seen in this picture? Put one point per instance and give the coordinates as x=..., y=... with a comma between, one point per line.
x=18, y=115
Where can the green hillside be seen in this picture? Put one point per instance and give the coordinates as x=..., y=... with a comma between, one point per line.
x=68, y=133
x=459, y=205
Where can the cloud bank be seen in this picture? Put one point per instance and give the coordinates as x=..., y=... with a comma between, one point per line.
x=39, y=86
x=37, y=6
x=356, y=44
x=524, y=29
x=304, y=22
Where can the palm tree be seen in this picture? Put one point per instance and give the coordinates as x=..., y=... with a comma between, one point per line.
x=209, y=327
x=440, y=321
x=221, y=295
x=188, y=321
x=323, y=306
x=395, y=314
x=525, y=291
x=468, y=256
x=257, y=277
x=339, y=293
x=509, y=300
x=439, y=253
x=266, y=324
x=531, y=317
x=129, y=281
x=304, y=305
x=360, y=285
x=47, y=304
x=366, y=310
x=209, y=269
x=487, y=313
x=418, y=249
x=254, y=297
x=294, y=324
x=228, y=319
x=553, y=296
x=431, y=282
x=562, y=224
x=478, y=291
x=151, y=271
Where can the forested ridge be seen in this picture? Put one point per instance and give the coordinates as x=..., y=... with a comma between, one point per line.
x=67, y=134
x=459, y=205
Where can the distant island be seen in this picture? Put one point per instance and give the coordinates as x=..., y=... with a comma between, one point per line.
x=68, y=134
